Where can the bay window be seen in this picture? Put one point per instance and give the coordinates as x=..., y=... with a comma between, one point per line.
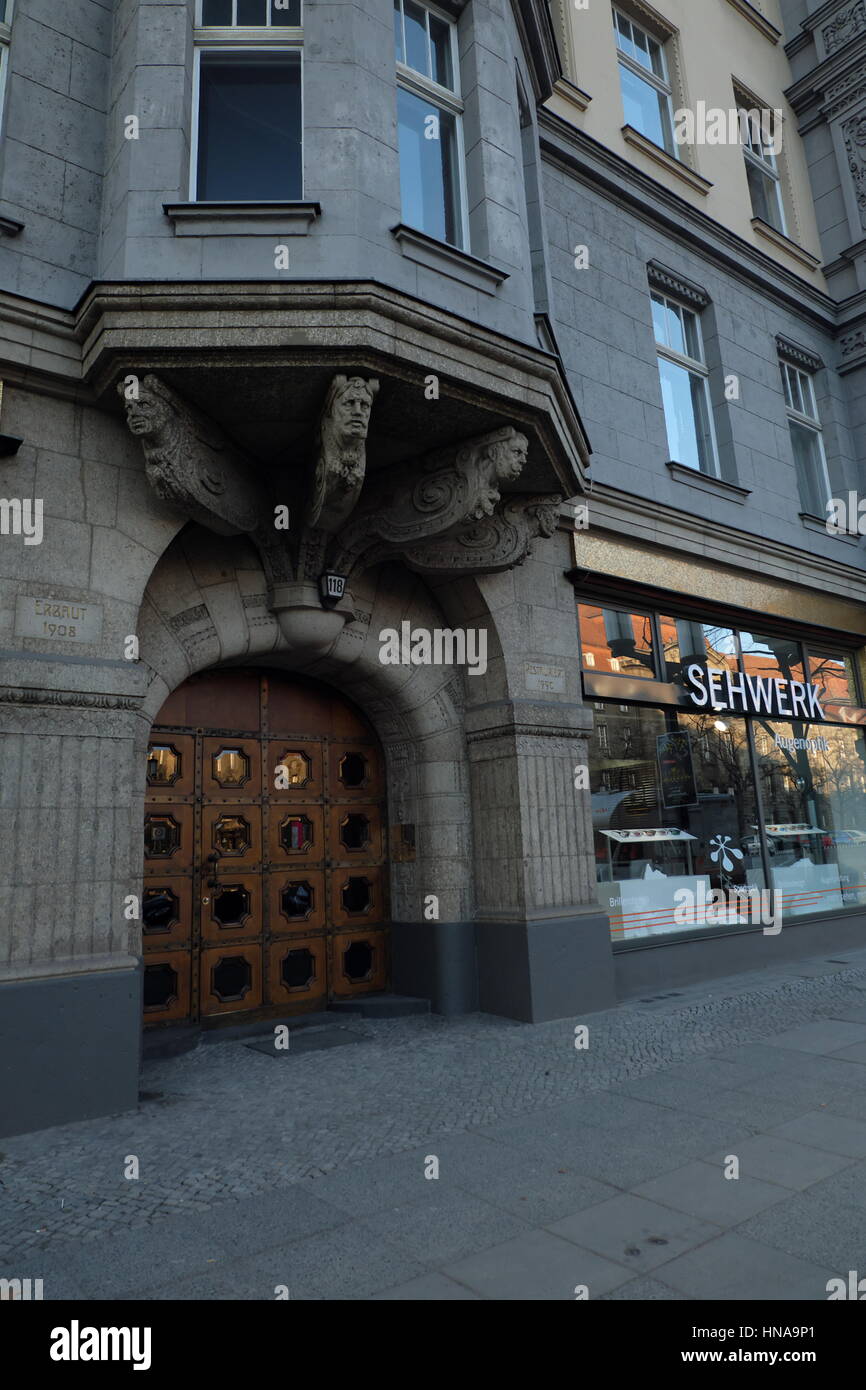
x=429, y=111
x=247, y=134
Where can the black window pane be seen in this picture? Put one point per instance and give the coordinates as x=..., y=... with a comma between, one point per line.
x=252, y=12
x=216, y=12
x=428, y=168
x=286, y=12
x=249, y=128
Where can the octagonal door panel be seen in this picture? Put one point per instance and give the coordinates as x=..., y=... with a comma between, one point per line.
x=231, y=769
x=231, y=979
x=354, y=770
x=294, y=770
x=232, y=831
x=166, y=912
x=296, y=834
x=297, y=972
x=168, y=838
x=355, y=833
x=231, y=909
x=357, y=896
x=170, y=767
x=297, y=900
x=166, y=986
x=358, y=963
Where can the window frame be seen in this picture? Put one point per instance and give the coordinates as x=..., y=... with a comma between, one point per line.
x=245, y=30
x=225, y=44
x=693, y=365
x=804, y=420
x=663, y=86
x=445, y=98
x=5, y=40
x=765, y=162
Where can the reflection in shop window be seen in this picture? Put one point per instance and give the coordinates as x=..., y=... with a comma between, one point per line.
x=616, y=642
x=685, y=643
x=833, y=674
x=813, y=785
x=775, y=658
x=667, y=817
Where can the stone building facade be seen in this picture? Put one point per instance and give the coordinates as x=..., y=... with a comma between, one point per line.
x=278, y=392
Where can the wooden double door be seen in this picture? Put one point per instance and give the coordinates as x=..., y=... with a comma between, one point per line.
x=265, y=876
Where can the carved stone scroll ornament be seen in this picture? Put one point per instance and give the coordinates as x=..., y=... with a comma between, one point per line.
x=490, y=544
x=405, y=506
x=854, y=134
x=190, y=463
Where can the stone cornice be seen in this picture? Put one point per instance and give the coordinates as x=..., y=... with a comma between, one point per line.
x=800, y=356
x=578, y=154
x=755, y=17
x=647, y=522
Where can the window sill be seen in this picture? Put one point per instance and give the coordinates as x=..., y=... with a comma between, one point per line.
x=241, y=219
x=438, y=255
x=785, y=243
x=754, y=16
x=667, y=161
x=9, y=227
x=818, y=523
x=717, y=487
x=572, y=95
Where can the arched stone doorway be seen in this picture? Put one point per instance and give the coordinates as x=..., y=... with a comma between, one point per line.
x=265, y=851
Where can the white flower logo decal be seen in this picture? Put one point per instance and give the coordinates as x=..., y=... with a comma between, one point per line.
x=724, y=849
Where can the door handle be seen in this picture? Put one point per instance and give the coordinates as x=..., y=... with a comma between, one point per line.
x=213, y=859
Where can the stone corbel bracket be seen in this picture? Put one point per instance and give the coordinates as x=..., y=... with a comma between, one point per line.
x=188, y=460
x=442, y=496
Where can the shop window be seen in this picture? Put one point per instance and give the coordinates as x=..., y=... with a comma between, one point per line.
x=686, y=642
x=813, y=786
x=647, y=93
x=429, y=116
x=685, y=385
x=807, y=440
x=775, y=658
x=247, y=135
x=618, y=643
x=673, y=826
x=833, y=674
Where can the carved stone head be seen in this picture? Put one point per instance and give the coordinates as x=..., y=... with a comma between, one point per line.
x=503, y=455
x=150, y=412
x=342, y=460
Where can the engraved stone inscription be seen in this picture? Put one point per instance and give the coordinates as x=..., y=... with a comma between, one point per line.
x=59, y=620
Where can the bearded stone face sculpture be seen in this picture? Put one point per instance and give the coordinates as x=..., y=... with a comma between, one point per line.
x=342, y=456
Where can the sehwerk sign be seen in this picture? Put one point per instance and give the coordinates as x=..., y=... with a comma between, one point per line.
x=735, y=691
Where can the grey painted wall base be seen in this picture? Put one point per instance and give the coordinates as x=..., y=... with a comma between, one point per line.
x=541, y=970
x=69, y=1048
x=436, y=961
x=689, y=962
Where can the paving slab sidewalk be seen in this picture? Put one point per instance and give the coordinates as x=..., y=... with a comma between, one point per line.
x=478, y=1158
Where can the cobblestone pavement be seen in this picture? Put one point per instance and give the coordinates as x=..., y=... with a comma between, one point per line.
x=319, y=1157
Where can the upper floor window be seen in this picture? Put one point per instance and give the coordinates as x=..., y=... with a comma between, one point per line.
x=647, y=94
x=5, y=34
x=250, y=14
x=247, y=136
x=762, y=170
x=807, y=439
x=429, y=111
x=685, y=385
